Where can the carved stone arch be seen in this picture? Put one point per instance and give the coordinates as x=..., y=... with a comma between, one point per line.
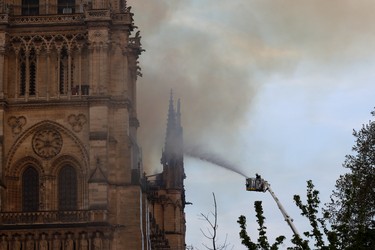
x=79, y=40
x=38, y=42
x=49, y=44
x=72, y=161
x=70, y=43
x=20, y=166
x=14, y=191
x=18, y=42
x=43, y=38
x=81, y=183
x=66, y=133
x=59, y=41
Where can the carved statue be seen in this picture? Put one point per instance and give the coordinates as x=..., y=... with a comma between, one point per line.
x=56, y=243
x=97, y=242
x=16, y=244
x=84, y=245
x=4, y=243
x=29, y=243
x=69, y=244
x=43, y=244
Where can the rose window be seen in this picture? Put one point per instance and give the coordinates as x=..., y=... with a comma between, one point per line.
x=47, y=143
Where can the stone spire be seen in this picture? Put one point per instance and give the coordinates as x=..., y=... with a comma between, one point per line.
x=173, y=140
x=172, y=156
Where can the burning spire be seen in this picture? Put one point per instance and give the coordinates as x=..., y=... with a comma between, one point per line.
x=173, y=141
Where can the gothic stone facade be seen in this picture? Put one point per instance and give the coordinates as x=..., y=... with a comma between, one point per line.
x=68, y=120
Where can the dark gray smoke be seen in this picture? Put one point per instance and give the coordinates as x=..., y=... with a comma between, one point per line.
x=199, y=153
x=218, y=55
x=216, y=88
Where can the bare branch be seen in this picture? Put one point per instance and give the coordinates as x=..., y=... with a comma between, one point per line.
x=211, y=233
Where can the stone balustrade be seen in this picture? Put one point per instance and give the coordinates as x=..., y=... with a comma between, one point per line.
x=53, y=217
x=45, y=20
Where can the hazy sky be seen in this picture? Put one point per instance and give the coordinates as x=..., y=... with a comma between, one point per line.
x=273, y=87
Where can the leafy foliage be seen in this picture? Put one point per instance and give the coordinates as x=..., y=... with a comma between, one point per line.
x=352, y=206
x=310, y=210
x=262, y=242
x=351, y=212
x=319, y=230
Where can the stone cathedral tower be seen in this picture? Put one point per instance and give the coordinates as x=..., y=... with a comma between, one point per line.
x=68, y=147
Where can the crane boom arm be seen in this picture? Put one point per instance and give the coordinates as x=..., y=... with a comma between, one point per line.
x=287, y=218
x=260, y=185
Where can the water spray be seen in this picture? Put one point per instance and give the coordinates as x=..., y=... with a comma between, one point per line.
x=252, y=184
x=198, y=153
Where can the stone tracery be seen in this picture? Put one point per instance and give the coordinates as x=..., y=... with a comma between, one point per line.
x=62, y=51
x=17, y=123
x=47, y=143
x=47, y=41
x=77, y=121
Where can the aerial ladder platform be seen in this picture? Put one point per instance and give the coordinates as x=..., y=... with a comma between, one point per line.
x=260, y=185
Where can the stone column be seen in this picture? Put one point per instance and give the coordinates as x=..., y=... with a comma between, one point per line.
x=2, y=68
x=98, y=39
x=58, y=72
x=79, y=71
x=27, y=74
x=69, y=87
x=37, y=54
x=103, y=66
x=91, y=67
x=47, y=74
x=17, y=73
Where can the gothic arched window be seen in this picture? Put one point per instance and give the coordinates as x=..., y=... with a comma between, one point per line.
x=63, y=68
x=32, y=72
x=22, y=61
x=67, y=188
x=27, y=68
x=66, y=70
x=30, y=7
x=30, y=190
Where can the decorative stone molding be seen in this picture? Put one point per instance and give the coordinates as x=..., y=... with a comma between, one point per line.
x=4, y=18
x=43, y=20
x=98, y=38
x=56, y=239
x=62, y=160
x=77, y=122
x=71, y=40
x=97, y=15
x=81, y=151
x=53, y=217
x=47, y=143
x=20, y=165
x=16, y=123
x=122, y=18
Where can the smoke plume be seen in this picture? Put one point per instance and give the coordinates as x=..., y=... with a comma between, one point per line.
x=216, y=56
